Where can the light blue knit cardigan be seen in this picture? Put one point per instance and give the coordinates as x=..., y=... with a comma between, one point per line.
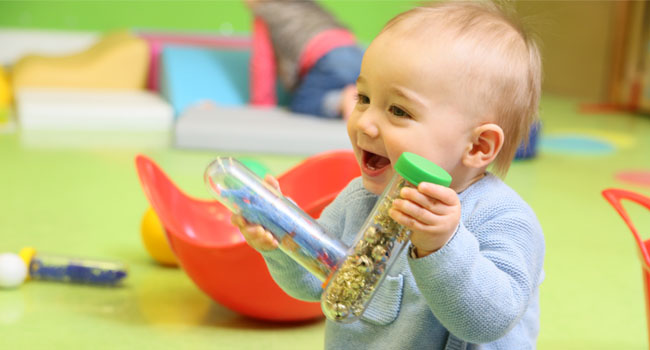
x=480, y=288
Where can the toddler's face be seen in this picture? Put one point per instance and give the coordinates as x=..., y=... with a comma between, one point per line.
x=407, y=102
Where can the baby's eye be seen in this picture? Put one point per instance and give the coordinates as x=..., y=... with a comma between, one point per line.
x=362, y=99
x=398, y=112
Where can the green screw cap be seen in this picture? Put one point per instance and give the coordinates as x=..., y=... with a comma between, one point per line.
x=416, y=169
x=256, y=167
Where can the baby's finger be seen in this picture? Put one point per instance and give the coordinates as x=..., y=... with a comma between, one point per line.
x=429, y=203
x=444, y=194
x=237, y=220
x=406, y=220
x=256, y=236
x=413, y=212
x=270, y=241
x=253, y=232
x=261, y=239
x=269, y=179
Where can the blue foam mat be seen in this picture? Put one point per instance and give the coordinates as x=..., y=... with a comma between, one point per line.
x=190, y=74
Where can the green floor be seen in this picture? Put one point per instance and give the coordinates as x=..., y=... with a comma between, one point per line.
x=61, y=197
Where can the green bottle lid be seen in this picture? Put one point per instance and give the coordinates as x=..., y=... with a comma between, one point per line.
x=256, y=167
x=416, y=169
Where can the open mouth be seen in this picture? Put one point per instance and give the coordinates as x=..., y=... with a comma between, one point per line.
x=374, y=164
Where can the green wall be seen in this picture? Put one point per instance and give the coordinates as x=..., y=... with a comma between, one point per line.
x=365, y=18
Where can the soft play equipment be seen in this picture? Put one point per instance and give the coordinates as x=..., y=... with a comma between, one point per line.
x=158, y=41
x=94, y=109
x=118, y=61
x=614, y=197
x=5, y=96
x=213, y=252
x=635, y=177
x=193, y=74
x=5, y=89
x=263, y=69
x=576, y=144
x=251, y=129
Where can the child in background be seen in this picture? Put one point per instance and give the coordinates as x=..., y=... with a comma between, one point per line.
x=316, y=58
x=459, y=84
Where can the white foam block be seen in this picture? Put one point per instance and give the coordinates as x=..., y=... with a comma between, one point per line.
x=16, y=43
x=260, y=130
x=71, y=109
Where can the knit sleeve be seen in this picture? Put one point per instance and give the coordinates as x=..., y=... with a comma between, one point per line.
x=294, y=279
x=479, y=285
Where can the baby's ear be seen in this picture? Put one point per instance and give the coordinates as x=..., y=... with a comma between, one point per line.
x=487, y=140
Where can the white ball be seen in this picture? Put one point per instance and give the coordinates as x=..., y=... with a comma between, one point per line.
x=12, y=270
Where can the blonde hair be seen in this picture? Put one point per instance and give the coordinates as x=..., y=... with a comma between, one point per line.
x=503, y=75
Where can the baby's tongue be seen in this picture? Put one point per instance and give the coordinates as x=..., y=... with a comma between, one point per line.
x=376, y=161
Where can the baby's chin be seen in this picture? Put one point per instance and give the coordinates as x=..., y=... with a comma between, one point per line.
x=373, y=186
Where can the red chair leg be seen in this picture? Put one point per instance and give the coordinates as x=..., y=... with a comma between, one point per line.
x=614, y=197
x=646, y=290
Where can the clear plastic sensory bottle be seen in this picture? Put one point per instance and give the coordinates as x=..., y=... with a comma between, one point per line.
x=62, y=268
x=300, y=236
x=377, y=246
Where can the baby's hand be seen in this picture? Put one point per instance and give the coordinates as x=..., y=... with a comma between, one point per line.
x=256, y=236
x=431, y=212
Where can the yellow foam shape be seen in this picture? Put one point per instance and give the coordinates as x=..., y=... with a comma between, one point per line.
x=118, y=61
x=5, y=89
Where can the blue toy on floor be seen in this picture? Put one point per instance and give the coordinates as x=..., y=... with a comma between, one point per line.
x=529, y=150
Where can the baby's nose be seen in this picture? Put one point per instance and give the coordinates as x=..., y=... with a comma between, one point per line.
x=367, y=123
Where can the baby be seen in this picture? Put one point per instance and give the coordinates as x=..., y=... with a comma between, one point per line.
x=459, y=84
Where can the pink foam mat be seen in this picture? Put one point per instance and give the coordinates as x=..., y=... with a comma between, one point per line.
x=635, y=177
